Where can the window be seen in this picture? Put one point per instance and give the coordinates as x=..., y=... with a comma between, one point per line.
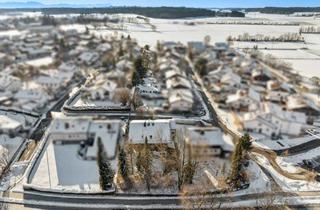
x=109, y=126
x=150, y=136
x=66, y=126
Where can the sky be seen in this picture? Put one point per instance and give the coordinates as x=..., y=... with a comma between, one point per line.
x=187, y=3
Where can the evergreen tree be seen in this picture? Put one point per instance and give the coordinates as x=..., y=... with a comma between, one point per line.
x=106, y=173
x=122, y=164
x=135, y=79
x=139, y=163
x=189, y=168
x=147, y=155
x=201, y=66
x=121, y=51
x=246, y=142
x=188, y=172
x=140, y=67
x=243, y=146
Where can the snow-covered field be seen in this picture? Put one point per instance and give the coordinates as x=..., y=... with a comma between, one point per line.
x=179, y=31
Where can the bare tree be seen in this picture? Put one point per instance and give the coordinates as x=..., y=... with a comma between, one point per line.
x=122, y=95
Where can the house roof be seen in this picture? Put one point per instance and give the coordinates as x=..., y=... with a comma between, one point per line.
x=178, y=82
x=7, y=123
x=208, y=136
x=155, y=131
x=181, y=94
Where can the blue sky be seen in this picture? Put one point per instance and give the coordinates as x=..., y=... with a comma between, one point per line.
x=188, y=3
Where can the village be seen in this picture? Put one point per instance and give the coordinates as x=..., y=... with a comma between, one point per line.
x=84, y=114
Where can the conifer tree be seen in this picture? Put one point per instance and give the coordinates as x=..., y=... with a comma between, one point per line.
x=106, y=173
x=122, y=164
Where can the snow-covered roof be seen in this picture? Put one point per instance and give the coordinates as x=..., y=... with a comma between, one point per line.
x=241, y=94
x=231, y=77
x=6, y=80
x=178, y=82
x=181, y=94
x=208, y=136
x=155, y=131
x=7, y=123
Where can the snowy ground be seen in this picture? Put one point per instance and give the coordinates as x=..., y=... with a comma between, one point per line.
x=259, y=182
x=285, y=183
x=60, y=168
x=294, y=160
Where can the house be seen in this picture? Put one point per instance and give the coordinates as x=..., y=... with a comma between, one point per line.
x=68, y=67
x=9, y=83
x=86, y=132
x=208, y=142
x=105, y=47
x=178, y=83
x=156, y=132
x=31, y=99
x=37, y=53
x=50, y=82
x=180, y=100
x=148, y=91
x=102, y=90
x=88, y=58
x=298, y=103
x=277, y=96
x=244, y=100
x=124, y=65
x=273, y=121
x=197, y=47
x=174, y=72
x=261, y=76
x=221, y=47
x=231, y=79
x=9, y=126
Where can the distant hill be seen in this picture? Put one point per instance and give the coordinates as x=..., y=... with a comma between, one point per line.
x=283, y=10
x=38, y=5
x=153, y=12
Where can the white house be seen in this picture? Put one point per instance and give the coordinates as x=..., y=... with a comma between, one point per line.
x=303, y=104
x=248, y=100
x=272, y=120
x=102, y=90
x=231, y=79
x=88, y=58
x=276, y=96
x=207, y=142
x=9, y=83
x=9, y=125
x=148, y=91
x=152, y=131
x=86, y=132
x=178, y=83
x=31, y=99
x=68, y=67
x=180, y=100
